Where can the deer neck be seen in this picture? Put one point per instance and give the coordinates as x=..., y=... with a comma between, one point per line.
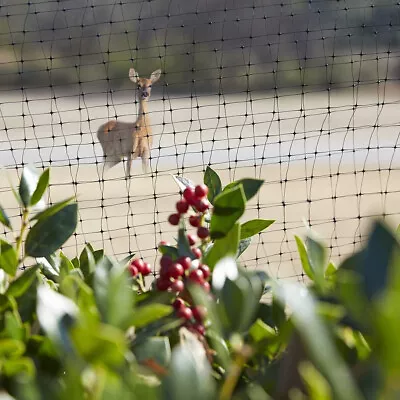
x=143, y=117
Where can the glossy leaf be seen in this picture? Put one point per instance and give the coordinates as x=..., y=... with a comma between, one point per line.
x=182, y=182
x=228, y=208
x=28, y=184
x=157, y=349
x=243, y=245
x=52, y=209
x=317, y=339
x=87, y=262
x=183, y=245
x=317, y=256
x=169, y=250
x=301, y=248
x=225, y=268
x=8, y=258
x=250, y=186
x=251, y=228
x=113, y=295
x=147, y=314
x=50, y=233
x=260, y=331
x=56, y=314
x=213, y=181
x=20, y=285
x=41, y=187
x=189, y=373
x=227, y=246
x=4, y=218
x=105, y=345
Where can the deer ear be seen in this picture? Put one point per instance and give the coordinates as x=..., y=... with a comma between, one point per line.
x=155, y=76
x=133, y=75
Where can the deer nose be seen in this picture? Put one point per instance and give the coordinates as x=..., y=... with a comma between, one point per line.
x=145, y=94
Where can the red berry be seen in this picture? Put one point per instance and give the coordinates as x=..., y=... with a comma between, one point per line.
x=202, y=205
x=138, y=263
x=175, y=271
x=192, y=239
x=201, y=191
x=196, y=276
x=146, y=269
x=199, y=313
x=177, y=286
x=186, y=262
x=199, y=328
x=203, y=232
x=163, y=284
x=185, y=313
x=133, y=270
x=197, y=252
x=178, y=303
x=188, y=195
x=174, y=219
x=206, y=286
x=182, y=206
x=194, y=220
x=205, y=270
x=166, y=261
x=163, y=243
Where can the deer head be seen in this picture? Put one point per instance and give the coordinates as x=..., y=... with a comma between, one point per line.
x=144, y=84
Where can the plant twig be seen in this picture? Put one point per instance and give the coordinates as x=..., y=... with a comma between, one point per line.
x=24, y=225
x=234, y=373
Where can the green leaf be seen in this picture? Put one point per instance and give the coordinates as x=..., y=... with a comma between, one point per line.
x=182, y=182
x=105, y=345
x=251, y=228
x=145, y=315
x=189, y=373
x=317, y=339
x=52, y=210
x=250, y=186
x=330, y=270
x=114, y=297
x=23, y=365
x=8, y=258
x=50, y=266
x=227, y=246
x=28, y=184
x=301, y=248
x=20, y=285
x=317, y=386
x=243, y=245
x=66, y=266
x=56, y=314
x=42, y=185
x=155, y=348
x=169, y=250
x=183, y=245
x=4, y=218
x=50, y=233
x=229, y=206
x=11, y=348
x=317, y=256
x=87, y=262
x=260, y=331
x=213, y=181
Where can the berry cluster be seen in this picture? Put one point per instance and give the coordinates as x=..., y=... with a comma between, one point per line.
x=138, y=266
x=175, y=274
x=195, y=198
x=194, y=316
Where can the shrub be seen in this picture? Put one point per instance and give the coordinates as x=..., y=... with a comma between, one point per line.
x=205, y=328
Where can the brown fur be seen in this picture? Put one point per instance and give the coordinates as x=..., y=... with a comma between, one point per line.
x=121, y=140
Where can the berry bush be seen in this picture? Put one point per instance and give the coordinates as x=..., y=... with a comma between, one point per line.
x=199, y=325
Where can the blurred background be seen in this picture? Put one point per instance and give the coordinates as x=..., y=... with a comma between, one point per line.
x=303, y=94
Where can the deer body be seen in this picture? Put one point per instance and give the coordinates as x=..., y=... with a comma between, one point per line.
x=130, y=140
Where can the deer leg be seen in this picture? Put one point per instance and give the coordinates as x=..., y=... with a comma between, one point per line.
x=128, y=166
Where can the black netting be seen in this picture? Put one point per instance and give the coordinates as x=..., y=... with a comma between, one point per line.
x=303, y=94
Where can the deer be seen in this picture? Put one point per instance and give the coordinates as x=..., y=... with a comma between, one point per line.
x=130, y=140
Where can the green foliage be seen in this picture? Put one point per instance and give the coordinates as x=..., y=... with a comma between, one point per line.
x=89, y=328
